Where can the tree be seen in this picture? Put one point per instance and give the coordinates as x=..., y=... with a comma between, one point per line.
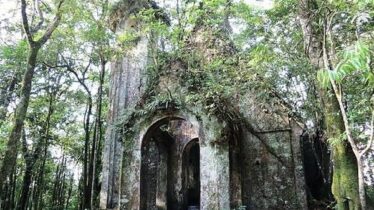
x=344, y=164
x=21, y=109
x=359, y=63
x=321, y=46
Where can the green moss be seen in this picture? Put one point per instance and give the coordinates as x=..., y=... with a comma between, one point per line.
x=345, y=177
x=345, y=186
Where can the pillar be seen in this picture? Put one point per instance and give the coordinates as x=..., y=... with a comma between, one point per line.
x=214, y=177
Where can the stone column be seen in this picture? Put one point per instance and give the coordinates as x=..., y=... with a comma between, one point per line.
x=214, y=177
x=235, y=173
x=126, y=87
x=300, y=186
x=162, y=178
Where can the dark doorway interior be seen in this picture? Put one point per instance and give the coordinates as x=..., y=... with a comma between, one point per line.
x=170, y=171
x=154, y=171
x=191, y=174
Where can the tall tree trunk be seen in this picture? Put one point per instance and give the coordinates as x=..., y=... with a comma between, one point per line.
x=10, y=157
x=7, y=200
x=12, y=203
x=97, y=136
x=86, y=195
x=61, y=189
x=87, y=190
x=27, y=177
x=69, y=192
x=38, y=201
x=54, y=196
x=38, y=194
x=345, y=179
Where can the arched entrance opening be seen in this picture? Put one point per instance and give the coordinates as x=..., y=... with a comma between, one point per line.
x=191, y=174
x=170, y=166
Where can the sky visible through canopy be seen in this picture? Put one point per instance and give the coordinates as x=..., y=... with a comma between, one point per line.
x=10, y=12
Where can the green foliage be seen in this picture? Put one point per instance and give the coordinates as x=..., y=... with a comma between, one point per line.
x=82, y=37
x=354, y=73
x=354, y=60
x=4, y=131
x=370, y=195
x=16, y=52
x=337, y=140
x=127, y=39
x=13, y=61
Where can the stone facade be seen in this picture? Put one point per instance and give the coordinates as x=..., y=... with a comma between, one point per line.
x=185, y=158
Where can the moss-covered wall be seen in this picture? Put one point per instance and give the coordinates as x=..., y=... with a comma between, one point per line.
x=273, y=176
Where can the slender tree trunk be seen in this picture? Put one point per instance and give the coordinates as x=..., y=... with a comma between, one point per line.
x=27, y=177
x=96, y=136
x=54, y=196
x=37, y=189
x=12, y=203
x=61, y=188
x=58, y=186
x=91, y=167
x=8, y=197
x=87, y=190
x=69, y=192
x=44, y=141
x=38, y=203
x=85, y=186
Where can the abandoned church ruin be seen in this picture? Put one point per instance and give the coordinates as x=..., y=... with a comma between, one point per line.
x=173, y=153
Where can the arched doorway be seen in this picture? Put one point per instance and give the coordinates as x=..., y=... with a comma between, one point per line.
x=191, y=174
x=170, y=166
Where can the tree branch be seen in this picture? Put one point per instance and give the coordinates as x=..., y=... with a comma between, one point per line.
x=54, y=66
x=80, y=80
x=47, y=34
x=41, y=21
x=25, y=22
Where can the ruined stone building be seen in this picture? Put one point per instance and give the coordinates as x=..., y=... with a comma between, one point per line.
x=164, y=155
